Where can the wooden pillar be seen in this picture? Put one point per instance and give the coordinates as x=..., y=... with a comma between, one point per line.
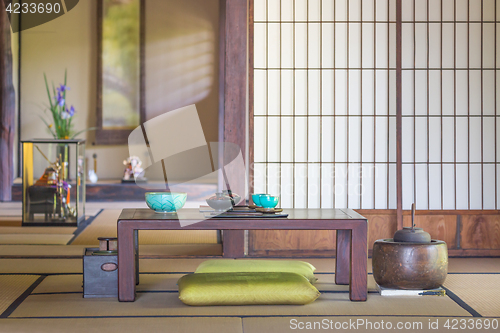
x=399, y=112
x=233, y=90
x=7, y=111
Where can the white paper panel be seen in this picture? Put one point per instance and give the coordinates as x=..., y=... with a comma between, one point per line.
x=328, y=136
x=354, y=92
x=489, y=139
x=448, y=139
x=475, y=10
x=354, y=10
x=368, y=7
x=314, y=10
x=327, y=92
x=287, y=45
x=327, y=189
x=314, y=34
x=314, y=97
x=274, y=11
x=260, y=92
x=354, y=45
x=368, y=143
x=489, y=92
x=435, y=10
x=381, y=107
x=354, y=139
x=367, y=93
x=287, y=82
x=300, y=136
x=448, y=45
x=381, y=181
x=489, y=45
x=434, y=186
x=462, y=184
x=462, y=100
x=259, y=10
x=421, y=45
x=407, y=139
x=475, y=139
x=434, y=92
x=341, y=10
x=382, y=8
x=435, y=45
x=286, y=199
x=381, y=45
x=489, y=10
x=260, y=49
x=340, y=185
x=475, y=187
x=300, y=45
x=475, y=92
x=340, y=139
x=381, y=139
x=313, y=186
x=368, y=46
x=367, y=186
x=462, y=139
x=448, y=186
x=421, y=139
x=462, y=10
x=300, y=92
x=341, y=45
x=273, y=139
x=327, y=45
x=392, y=139
x=421, y=92
x=259, y=178
x=407, y=92
x=422, y=183
x=273, y=92
x=354, y=187
x=435, y=139
x=392, y=187
x=300, y=185
x=448, y=10
x=421, y=10
x=260, y=139
x=274, y=179
x=392, y=45
x=340, y=92
x=489, y=186
x=448, y=92
x=328, y=10
x=287, y=139
x=314, y=139
x=407, y=172
x=407, y=10
x=300, y=10
x=461, y=45
x=287, y=10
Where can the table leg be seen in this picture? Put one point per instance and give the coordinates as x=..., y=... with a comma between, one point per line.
x=136, y=253
x=343, y=254
x=126, y=264
x=233, y=243
x=358, y=287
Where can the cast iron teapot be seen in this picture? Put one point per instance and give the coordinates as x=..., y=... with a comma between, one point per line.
x=412, y=234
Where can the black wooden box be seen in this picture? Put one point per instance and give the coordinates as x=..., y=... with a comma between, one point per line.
x=100, y=273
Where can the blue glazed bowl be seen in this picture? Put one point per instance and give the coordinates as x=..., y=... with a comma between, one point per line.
x=165, y=202
x=268, y=201
x=256, y=199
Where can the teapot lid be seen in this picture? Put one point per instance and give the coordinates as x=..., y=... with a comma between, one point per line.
x=412, y=234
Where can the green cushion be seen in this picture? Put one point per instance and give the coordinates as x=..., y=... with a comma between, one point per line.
x=245, y=289
x=290, y=266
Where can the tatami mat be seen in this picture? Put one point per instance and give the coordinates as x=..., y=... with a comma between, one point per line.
x=41, y=250
x=35, y=239
x=37, y=230
x=104, y=225
x=480, y=291
x=168, y=282
x=40, y=266
x=474, y=265
x=168, y=304
x=12, y=286
x=121, y=325
x=366, y=324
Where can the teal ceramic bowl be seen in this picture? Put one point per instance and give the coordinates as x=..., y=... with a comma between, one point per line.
x=256, y=199
x=165, y=202
x=268, y=201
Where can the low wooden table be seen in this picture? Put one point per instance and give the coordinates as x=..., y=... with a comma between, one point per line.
x=352, y=250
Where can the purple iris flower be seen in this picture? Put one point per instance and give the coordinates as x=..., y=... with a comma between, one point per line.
x=62, y=88
x=71, y=111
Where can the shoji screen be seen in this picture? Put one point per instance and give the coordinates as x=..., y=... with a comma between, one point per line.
x=450, y=123
x=324, y=102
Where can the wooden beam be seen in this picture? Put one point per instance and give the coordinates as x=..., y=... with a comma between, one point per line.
x=399, y=110
x=7, y=111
